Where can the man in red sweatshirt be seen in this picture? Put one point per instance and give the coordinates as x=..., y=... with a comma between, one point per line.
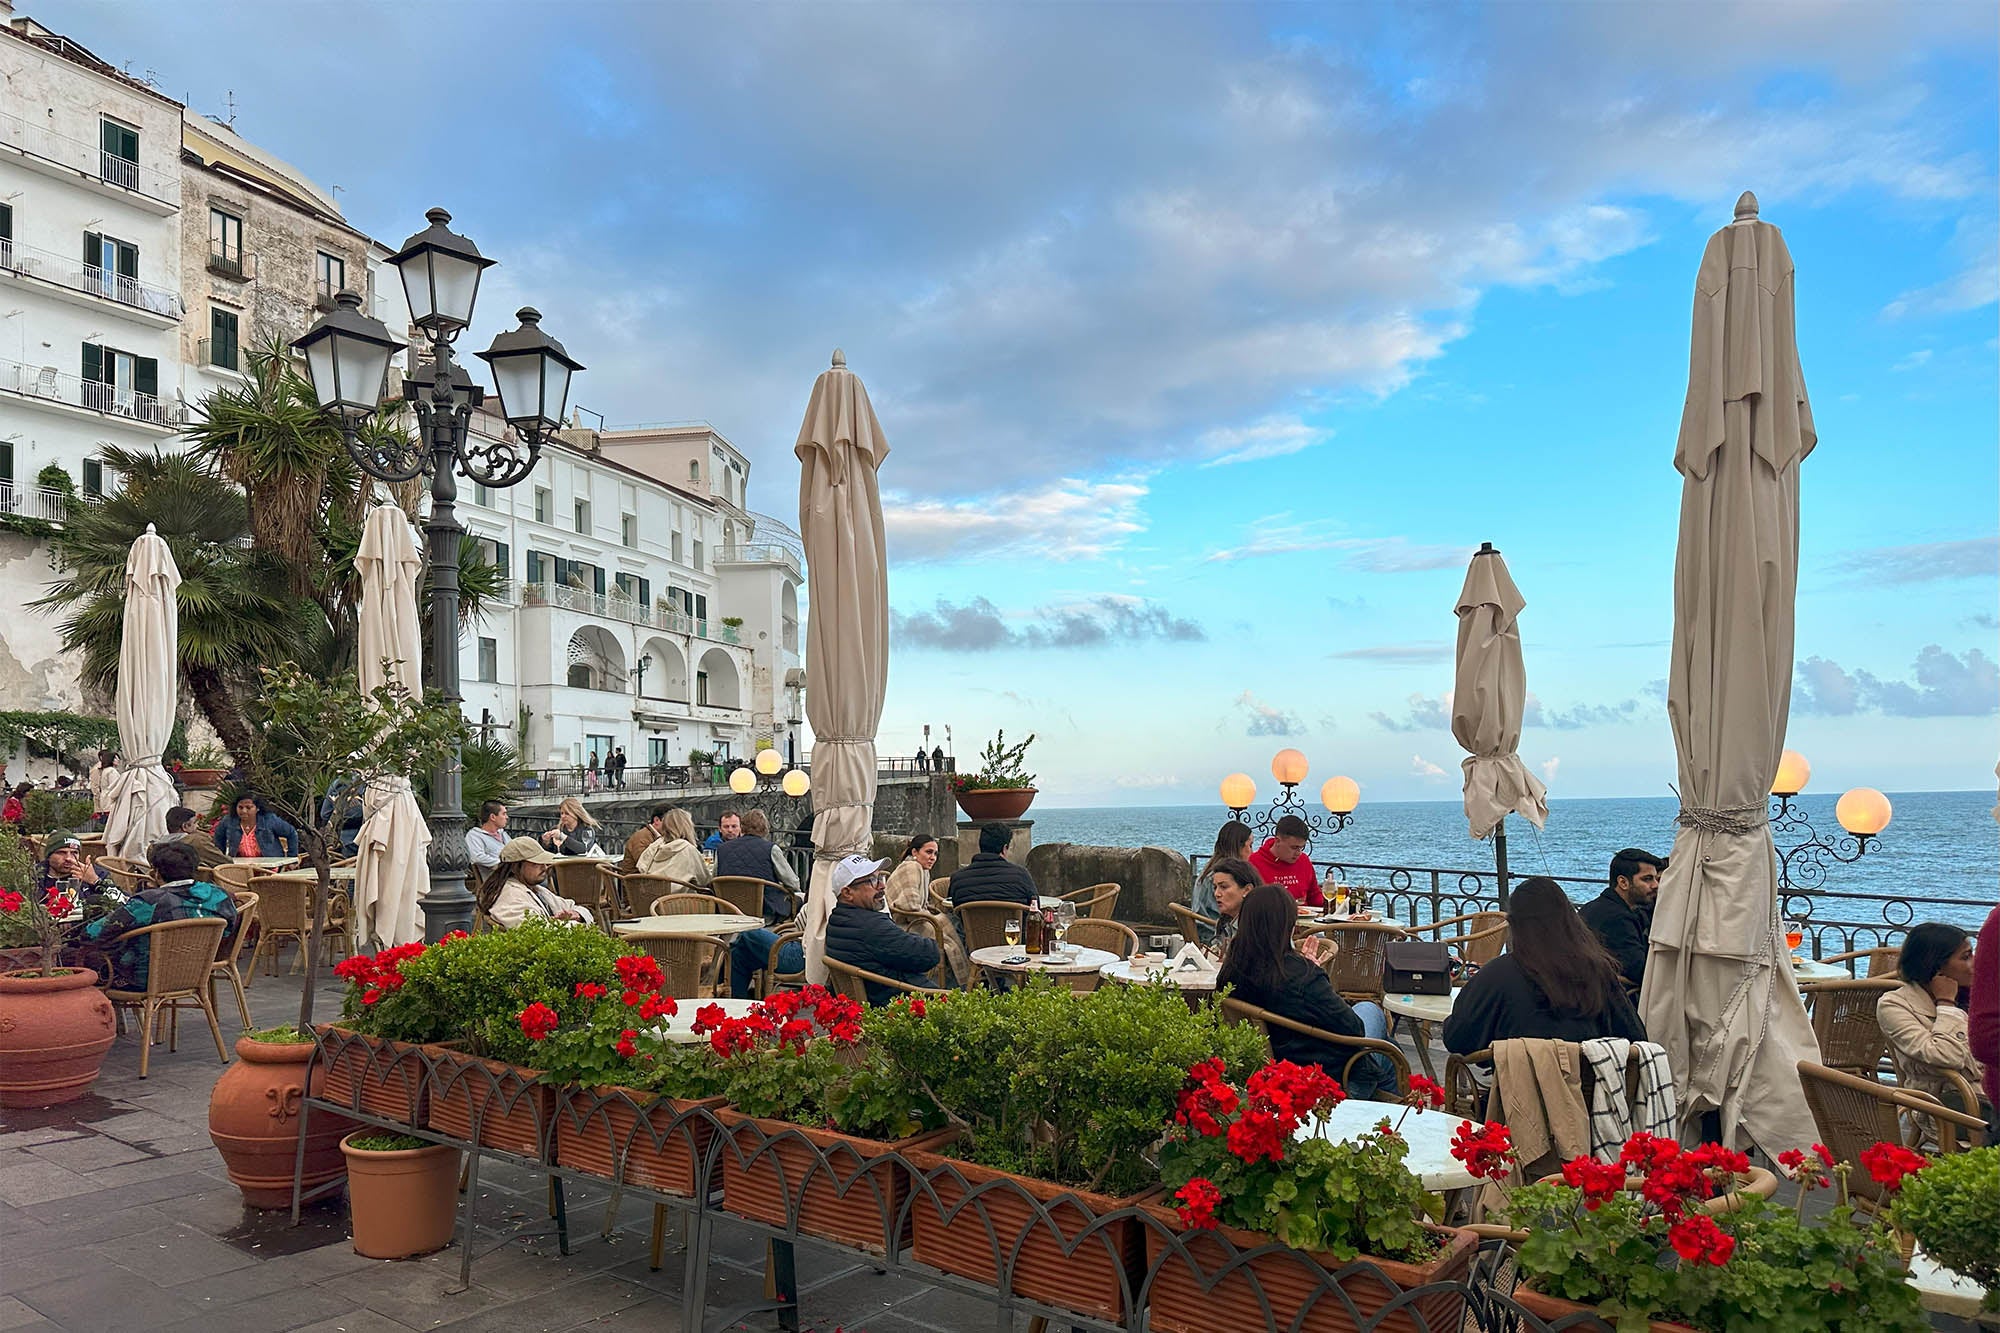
x=1282, y=861
x=1983, y=1004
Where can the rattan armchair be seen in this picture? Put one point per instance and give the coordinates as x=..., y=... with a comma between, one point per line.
x=846, y=979
x=129, y=876
x=926, y=925
x=1882, y=960
x=745, y=893
x=231, y=878
x=1482, y=939
x=285, y=914
x=639, y=889
x=984, y=925
x=693, y=904
x=1468, y=1082
x=1096, y=901
x=1236, y=1011
x=180, y=963
x=1843, y=1018
x=1853, y=1114
x=1114, y=936
x=225, y=967
x=1356, y=967
x=941, y=893
x=696, y=966
x=579, y=882
x=1190, y=924
x=769, y=979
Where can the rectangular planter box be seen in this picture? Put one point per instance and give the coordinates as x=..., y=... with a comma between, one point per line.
x=513, y=1110
x=950, y=1232
x=1551, y=1308
x=1179, y=1302
x=626, y=1135
x=372, y=1075
x=844, y=1189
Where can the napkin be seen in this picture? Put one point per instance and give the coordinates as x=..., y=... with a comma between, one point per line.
x=1192, y=959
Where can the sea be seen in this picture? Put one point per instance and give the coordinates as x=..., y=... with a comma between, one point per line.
x=1939, y=844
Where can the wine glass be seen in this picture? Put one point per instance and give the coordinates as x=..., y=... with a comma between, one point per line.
x=1012, y=929
x=1795, y=933
x=1065, y=918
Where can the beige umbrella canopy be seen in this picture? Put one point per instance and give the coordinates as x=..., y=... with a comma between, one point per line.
x=140, y=791
x=392, y=869
x=847, y=627
x=1719, y=992
x=1487, y=702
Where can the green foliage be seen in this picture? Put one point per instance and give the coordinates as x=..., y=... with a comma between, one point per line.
x=286, y=1035
x=1952, y=1207
x=491, y=770
x=386, y=1142
x=56, y=477
x=1071, y=1088
x=1000, y=765
x=49, y=735
x=585, y=1052
x=47, y=811
x=17, y=872
x=208, y=756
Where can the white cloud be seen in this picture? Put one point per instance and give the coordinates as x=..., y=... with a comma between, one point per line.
x=1945, y=684
x=1361, y=555
x=1138, y=782
x=1400, y=654
x=1550, y=766
x=1976, y=247
x=1912, y=361
x=1069, y=519
x=1264, y=719
x=1273, y=437
x=1421, y=767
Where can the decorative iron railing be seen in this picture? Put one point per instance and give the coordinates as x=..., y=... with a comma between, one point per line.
x=68, y=271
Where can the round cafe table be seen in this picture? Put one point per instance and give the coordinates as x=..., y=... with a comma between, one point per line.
x=1423, y=1010
x=264, y=862
x=1428, y=1133
x=686, y=925
x=680, y=1028
x=1142, y=972
x=1807, y=969
x=1082, y=962
x=310, y=877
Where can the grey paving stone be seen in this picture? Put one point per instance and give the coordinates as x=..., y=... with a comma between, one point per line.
x=88, y=1152
x=203, y=1159
x=267, y=1314
x=14, y=1315
x=659, y=1314
x=26, y=1181
x=565, y=1307
x=854, y=1298
x=28, y=1138
x=172, y=1255
x=89, y=1304
x=43, y=1238
x=358, y=1320
x=77, y=1206
x=416, y=1292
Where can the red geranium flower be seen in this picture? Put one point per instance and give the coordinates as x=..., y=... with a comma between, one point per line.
x=1599, y=1181
x=658, y=1006
x=1198, y=1199
x=628, y=1043
x=708, y=1018
x=1486, y=1151
x=1888, y=1163
x=11, y=901
x=538, y=1021
x=589, y=990
x=1424, y=1094
x=1698, y=1239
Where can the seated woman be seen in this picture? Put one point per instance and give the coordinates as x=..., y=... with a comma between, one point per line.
x=1229, y=879
x=1556, y=980
x=674, y=853
x=910, y=894
x=575, y=833
x=1232, y=843
x=1264, y=969
x=518, y=889
x=1925, y=1028
x=250, y=831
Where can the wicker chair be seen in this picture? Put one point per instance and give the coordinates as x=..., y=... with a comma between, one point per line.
x=769, y=979
x=984, y=925
x=578, y=881
x=231, y=878
x=926, y=925
x=1843, y=1018
x=1482, y=939
x=846, y=979
x=1096, y=901
x=1465, y=1091
x=693, y=904
x=638, y=888
x=225, y=967
x=1187, y=921
x=1854, y=1113
x=1236, y=1011
x=1115, y=936
x=283, y=914
x=745, y=893
x=1883, y=960
x=692, y=964
x=941, y=894
x=1356, y=969
x=129, y=876
x=180, y=963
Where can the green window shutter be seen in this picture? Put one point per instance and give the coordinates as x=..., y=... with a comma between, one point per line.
x=646, y=595
x=146, y=375
x=535, y=566
x=597, y=578
x=128, y=262
x=6, y=222
x=93, y=363
x=6, y=462
x=93, y=477
x=501, y=559
x=93, y=249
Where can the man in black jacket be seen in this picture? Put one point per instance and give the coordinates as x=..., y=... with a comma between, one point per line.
x=1622, y=915
x=990, y=877
x=860, y=934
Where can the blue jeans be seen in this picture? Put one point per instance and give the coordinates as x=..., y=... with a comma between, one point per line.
x=1373, y=1073
x=749, y=952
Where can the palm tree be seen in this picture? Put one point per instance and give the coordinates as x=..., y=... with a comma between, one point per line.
x=236, y=611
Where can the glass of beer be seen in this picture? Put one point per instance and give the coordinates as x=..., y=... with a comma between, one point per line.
x=1013, y=931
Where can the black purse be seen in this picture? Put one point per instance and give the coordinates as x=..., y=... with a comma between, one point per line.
x=1416, y=967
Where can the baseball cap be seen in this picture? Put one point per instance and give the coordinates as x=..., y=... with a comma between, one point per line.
x=850, y=868
x=527, y=849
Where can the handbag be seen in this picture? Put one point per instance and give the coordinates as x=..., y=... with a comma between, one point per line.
x=1416, y=967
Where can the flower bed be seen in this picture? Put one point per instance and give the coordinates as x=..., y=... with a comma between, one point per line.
x=488, y=1102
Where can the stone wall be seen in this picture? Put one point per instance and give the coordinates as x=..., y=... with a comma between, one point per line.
x=1149, y=877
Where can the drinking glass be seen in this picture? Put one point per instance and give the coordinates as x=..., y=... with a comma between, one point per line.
x=1065, y=918
x=1340, y=899
x=1013, y=931
x=1795, y=934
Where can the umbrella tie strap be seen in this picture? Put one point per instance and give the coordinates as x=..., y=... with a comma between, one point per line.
x=1736, y=819
x=845, y=740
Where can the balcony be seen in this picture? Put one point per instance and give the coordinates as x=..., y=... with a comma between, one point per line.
x=228, y=361
x=614, y=606
x=760, y=553
x=47, y=386
x=238, y=267
x=37, y=502
x=77, y=160
x=158, y=306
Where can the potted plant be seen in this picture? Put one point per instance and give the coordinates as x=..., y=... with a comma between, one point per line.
x=1952, y=1208
x=402, y=1193
x=1238, y=1174
x=820, y=1118
x=55, y=1025
x=1645, y=1241
x=1058, y=1099
x=203, y=768
x=1002, y=788
x=373, y=1060
x=253, y=1119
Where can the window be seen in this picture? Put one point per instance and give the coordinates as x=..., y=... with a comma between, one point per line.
x=495, y=554
x=697, y=553
x=676, y=548
x=540, y=567
x=489, y=659
x=118, y=153
x=482, y=495
x=7, y=466
x=6, y=236
x=111, y=267
x=656, y=751
x=544, y=504
x=332, y=274
x=635, y=589
x=93, y=477
x=225, y=243
x=222, y=338
x=120, y=382
x=694, y=469
x=701, y=687
x=628, y=530
x=582, y=515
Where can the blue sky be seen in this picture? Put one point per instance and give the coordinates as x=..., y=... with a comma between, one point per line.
x=1210, y=339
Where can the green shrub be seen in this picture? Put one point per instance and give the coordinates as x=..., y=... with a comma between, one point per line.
x=286, y=1035
x=387, y=1142
x=1952, y=1207
x=48, y=811
x=17, y=872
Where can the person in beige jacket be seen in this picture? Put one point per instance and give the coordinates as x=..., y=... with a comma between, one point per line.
x=674, y=853
x=1922, y=1021
x=909, y=896
x=518, y=889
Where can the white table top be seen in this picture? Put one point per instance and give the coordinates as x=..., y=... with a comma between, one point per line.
x=1083, y=960
x=1943, y=1291
x=264, y=862
x=680, y=1028
x=1135, y=972
x=1428, y=1133
x=1806, y=969
x=1424, y=1008
x=337, y=874
x=685, y=925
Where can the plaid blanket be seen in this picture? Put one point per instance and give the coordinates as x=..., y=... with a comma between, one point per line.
x=1654, y=1108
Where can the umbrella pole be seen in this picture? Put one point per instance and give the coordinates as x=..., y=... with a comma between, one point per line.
x=1500, y=859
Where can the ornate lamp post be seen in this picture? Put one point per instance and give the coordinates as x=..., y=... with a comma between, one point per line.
x=1338, y=794
x=1862, y=812
x=348, y=355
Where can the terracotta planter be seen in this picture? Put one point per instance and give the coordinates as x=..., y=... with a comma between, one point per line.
x=1179, y=1301
x=54, y=1032
x=982, y=803
x=627, y=1135
x=371, y=1074
x=840, y=1188
x=1087, y=1274
x=513, y=1111
x=201, y=779
x=1551, y=1308
x=402, y=1203
x=253, y=1120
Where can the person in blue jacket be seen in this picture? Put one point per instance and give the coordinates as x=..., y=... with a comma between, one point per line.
x=250, y=825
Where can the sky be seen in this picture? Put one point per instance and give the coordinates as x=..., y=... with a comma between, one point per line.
x=1209, y=340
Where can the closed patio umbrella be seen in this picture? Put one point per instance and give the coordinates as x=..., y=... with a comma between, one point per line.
x=1487, y=703
x=140, y=791
x=392, y=870
x=847, y=627
x=1719, y=991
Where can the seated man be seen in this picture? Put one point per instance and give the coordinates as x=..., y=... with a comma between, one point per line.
x=1622, y=915
x=184, y=825
x=1282, y=861
x=990, y=877
x=516, y=890
x=878, y=945
x=484, y=840
x=178, y=897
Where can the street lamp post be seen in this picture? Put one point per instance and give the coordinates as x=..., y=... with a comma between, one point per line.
x=348, y=355
x=1862, y=812
x=1338, y=794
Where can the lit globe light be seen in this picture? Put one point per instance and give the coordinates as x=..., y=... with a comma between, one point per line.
x=742, y=782
x=1238, y=791
x=1340, y=795
x=769, y=762
x=1288, y=767
x=1863, y=811
x=797, y=784
x=1793, y=774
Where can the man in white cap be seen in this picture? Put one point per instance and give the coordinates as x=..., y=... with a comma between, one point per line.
x=518, y=888
x=858, y=933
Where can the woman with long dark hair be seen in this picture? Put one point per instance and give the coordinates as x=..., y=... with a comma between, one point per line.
x=1230, y=881
x=1264, y=968
x=909, y=897
x=1925, y=1027
x=1232, y=843
x=1556, y=980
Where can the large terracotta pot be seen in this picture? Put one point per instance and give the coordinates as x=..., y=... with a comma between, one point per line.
x=982, y=803
x=1179, y=1301
x=253, y=1119
x=503, y=1105
x=1551, y=1308
x=54, y=1032
x=840, y=1188
x=633, y=1137
x=201, y=779
x=402, y=1203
